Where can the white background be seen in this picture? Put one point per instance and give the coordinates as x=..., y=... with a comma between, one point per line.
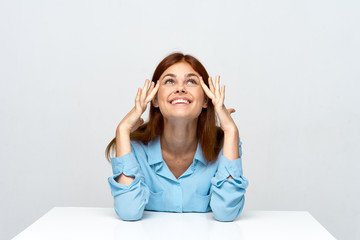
x=70, y=70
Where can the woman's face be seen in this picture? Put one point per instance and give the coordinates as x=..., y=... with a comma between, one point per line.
x=180, y=94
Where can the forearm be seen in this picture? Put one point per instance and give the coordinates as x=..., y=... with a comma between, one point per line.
x=123, y=147
x=228, y=188
x=122, y=141
x=231, y=144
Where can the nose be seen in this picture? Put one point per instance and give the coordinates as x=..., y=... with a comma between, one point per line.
x=180, y=88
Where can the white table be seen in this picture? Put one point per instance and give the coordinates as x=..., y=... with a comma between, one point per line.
x=102, y=223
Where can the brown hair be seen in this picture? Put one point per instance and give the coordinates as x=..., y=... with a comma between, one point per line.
x=210, y=136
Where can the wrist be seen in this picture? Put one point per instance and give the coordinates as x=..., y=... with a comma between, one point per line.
x=231, y=131
x=122, y=130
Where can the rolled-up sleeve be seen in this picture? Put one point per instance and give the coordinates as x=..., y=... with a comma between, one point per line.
x=129, y=200
x=228, y=195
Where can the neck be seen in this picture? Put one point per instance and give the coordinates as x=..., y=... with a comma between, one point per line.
x=179, y=137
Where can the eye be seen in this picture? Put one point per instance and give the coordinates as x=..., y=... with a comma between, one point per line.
x=191, y=81
x=169, y=81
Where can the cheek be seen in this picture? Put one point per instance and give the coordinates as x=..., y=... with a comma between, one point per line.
x=162, y=94
x=199, y=94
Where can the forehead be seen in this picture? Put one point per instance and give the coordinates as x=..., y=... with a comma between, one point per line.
x=179, y=68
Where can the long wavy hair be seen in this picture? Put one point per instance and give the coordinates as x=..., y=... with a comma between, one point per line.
x=211, y=136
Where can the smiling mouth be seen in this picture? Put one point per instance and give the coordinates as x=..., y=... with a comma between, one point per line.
x=180, y=101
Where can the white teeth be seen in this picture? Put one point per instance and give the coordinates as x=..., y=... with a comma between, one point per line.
x=180, y=101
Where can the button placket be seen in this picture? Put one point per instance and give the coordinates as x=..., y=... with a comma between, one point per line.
x=178, y=197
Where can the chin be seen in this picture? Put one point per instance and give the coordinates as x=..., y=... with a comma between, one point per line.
x=185, y=113
x=181, y=116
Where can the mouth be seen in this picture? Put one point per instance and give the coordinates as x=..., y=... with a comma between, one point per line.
x=180, y=101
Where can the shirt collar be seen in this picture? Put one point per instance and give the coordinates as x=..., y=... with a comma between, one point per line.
x=155, y=155
x=154, y=152
x=199, y=155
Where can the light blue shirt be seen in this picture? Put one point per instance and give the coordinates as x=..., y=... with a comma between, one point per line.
x=203, y=187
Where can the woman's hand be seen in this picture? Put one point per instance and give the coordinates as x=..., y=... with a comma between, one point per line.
x=133, y=119
x=217, y=97
x=227, y=124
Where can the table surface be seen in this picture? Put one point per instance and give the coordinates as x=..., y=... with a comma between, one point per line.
x=102, y=223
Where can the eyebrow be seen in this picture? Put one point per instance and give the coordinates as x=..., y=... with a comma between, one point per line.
x=186, y=75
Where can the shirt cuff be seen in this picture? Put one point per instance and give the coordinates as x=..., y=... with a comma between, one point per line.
x=126, y=164
x=118, y=188
x=226, y=168
x=229, y=167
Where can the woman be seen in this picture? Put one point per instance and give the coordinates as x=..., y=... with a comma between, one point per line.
x=179, y=161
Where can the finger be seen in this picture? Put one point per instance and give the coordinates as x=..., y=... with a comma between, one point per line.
x=151, y=88
x=153, y=92
x=157, y=86
x=152, y=85
x=217, y=86
x=211, y=85
x=144, y=90
x=202, y=83
x=137, y=98
x=222, y=95
x=206, y=89
x=146, y=86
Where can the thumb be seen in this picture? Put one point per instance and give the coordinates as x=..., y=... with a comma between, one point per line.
x=231, y=110
x=137, y=124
